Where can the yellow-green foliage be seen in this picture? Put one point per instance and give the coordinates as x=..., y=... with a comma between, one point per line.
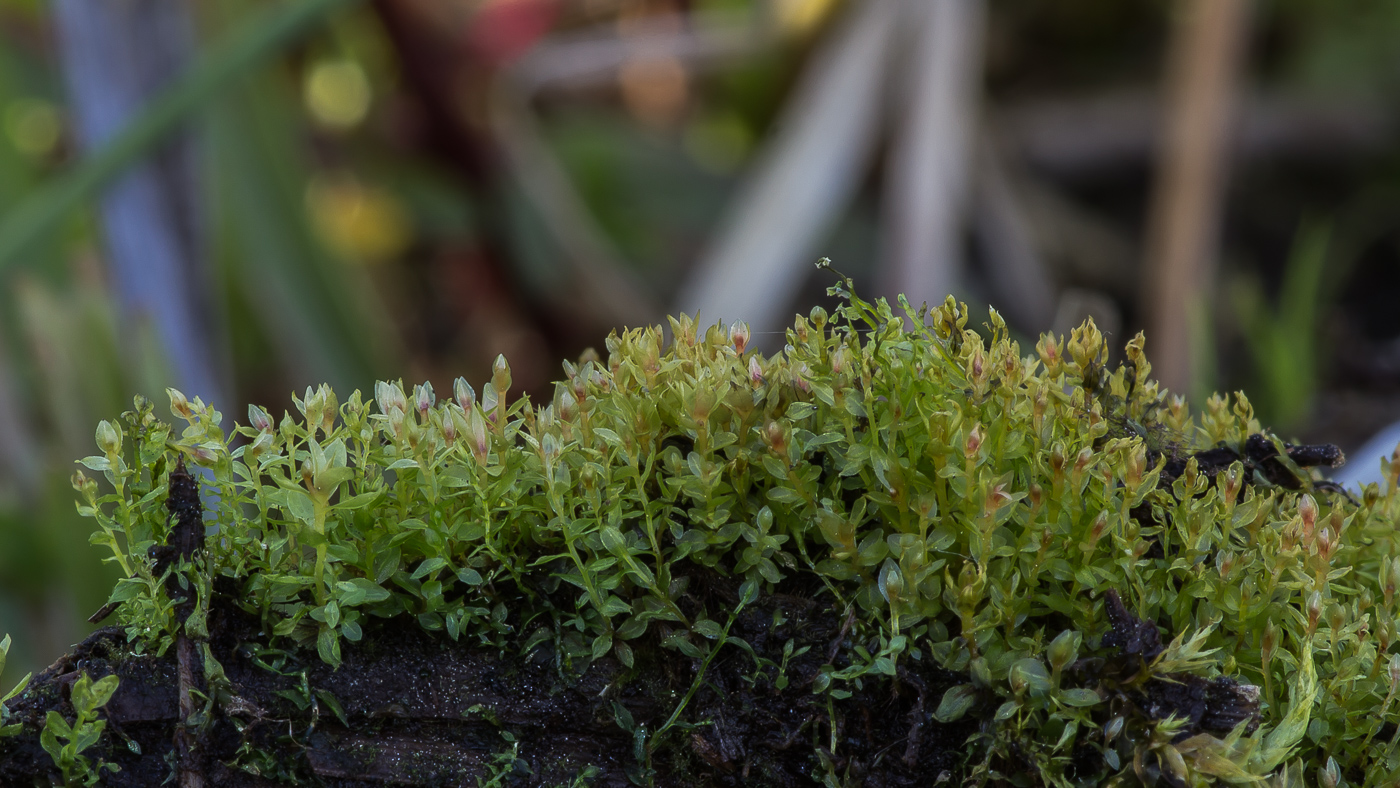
x=971, y=503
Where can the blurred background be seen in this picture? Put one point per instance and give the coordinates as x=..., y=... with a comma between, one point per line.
x=242, y=198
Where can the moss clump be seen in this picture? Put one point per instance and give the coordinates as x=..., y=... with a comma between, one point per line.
x=1130, y=594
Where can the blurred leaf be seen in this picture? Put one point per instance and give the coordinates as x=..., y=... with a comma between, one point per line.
x=317, y=312
x=265, y=35
x=1283, y=340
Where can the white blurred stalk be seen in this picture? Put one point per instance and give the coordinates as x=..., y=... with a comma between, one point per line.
x=927, y=175
x=115, y=56
x=806, y=175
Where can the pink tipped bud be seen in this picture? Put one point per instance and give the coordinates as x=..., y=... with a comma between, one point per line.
x=568, y=406
x=390, y=397
x=1233, y=481
x=1086, y=456
x=1112, y=728
x=464, y=393
x=1314, y=610
x=839, y=359
x=755, y=372
x=259, y=419
x=739, y=335
x=777, y=438
x=1100, y=524
x=1307, y=509
x=85, y=486
x=423, y=398
x=799, y=378
x=997, y=497
x=1326, y=543
x=977, y=367
x=1225, y=563
x=179, y=405
x=330, y=408
x=1269, y=642
x=974, y=441
x=801, y=329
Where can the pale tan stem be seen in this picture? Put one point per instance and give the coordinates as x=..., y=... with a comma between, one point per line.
x=1203, y=68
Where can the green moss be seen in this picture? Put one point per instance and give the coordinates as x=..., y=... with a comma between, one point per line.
x=974, y=505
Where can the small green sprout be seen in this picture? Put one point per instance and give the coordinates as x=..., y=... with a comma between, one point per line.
x=65, y=741
x=8, y=728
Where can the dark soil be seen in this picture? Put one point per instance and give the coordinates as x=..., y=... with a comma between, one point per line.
x=419, y=709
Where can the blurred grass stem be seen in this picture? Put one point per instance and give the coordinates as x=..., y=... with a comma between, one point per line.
x=1203, y=68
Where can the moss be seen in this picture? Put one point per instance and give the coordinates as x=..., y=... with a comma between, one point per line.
x=1124, y=591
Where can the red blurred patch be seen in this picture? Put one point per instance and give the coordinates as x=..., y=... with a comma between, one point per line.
x=504, y=29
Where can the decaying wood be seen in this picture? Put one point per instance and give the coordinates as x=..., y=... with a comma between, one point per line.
x=411, y=707
x=186, y=539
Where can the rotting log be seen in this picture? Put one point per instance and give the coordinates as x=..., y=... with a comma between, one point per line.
x=411, y=707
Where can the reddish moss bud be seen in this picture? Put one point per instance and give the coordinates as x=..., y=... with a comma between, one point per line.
x=776, y=437
x=1314, y=608
x=1307, y=509
x=259, y=419
x=179, y=405
x=1049, y=351
x=390, y=397
x=977, y=367
x=973, y=444
x=799, y=378
x=423, y=398
x=739, y=336
x=463, y=392
x=755, y=372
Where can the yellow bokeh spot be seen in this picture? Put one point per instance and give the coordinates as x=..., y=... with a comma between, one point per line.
x=33, y=125
x=802, y=16
x=359, y=223
x=337, y=93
